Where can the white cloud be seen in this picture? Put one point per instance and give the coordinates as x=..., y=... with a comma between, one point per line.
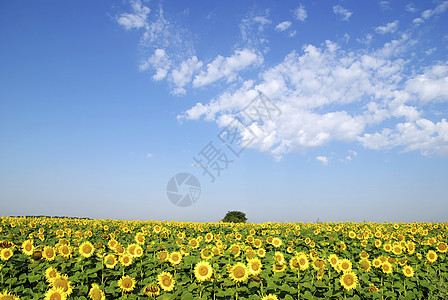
x=136, y=19
x=300, y=13
x=389, y=28
x=323, y=160
x=344, y=13
x=283, y=26
x=252, y=28
x=317, y=89
x=430, y=86
x=411, y=8
x=183, y=75
x=422, y=135
x=385, y=5
x=429, y=13
x=159, y=61
x=366, y=40
x=227, y=67
x=149, y=155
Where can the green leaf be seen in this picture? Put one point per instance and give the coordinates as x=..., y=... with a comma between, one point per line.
x=34, y=278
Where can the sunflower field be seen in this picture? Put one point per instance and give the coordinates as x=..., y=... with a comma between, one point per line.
x=63, y=258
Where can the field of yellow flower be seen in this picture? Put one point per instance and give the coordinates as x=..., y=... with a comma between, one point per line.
x=62, y=258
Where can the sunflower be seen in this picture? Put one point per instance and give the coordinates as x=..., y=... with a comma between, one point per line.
x=126, y=283
x=431, y=256
x=261, y=252
x=163, y=255
x=349, y=281
x=333, y=260
x=50, y=274
x=175, y=258
x=278, y=268
x=387, y=267
x=208, y=237
x=257, y=243
x=112, y=244
x=65, y=251
x=276, y=242
x=193, y=243
x=303, y=262
x=139, y=238
x=345, y=265
x=238, y=272
x=203, y=271
x=387, y=247
x=61, y=281
x=49, y=253
x=442, y=247
x=151, y=290
x=138, y=252
x=166, y=281
x=7, y=296
x=96, y=293
x=110, y=261
x=270, y=297
x=27, y=247
x=373, y=288
x=365, y=265
x=6, y=253
x=235, y=249
x=397, y=249
x=86, y=249
x=408, y=271
x=294, y=263
x=55, y=294
x=207, y=253
x=125, y=259
x=131, y=249
x=279, y=257
x=378, y=243
x=254, y=266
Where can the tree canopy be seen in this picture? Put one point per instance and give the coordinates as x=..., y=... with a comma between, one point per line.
x=235, y=217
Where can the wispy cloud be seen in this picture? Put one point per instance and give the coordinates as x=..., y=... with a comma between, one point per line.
x=411, y=8
x=342, y=12
x=283, y=26
x=137, y=18
x=252, y=28
x=300, y=13
x=429, y=13
x=323, y=160
x=227, y=67
x=183, y=75
x=388, y=28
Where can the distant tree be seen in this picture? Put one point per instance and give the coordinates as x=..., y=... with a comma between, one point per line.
x=235, y=217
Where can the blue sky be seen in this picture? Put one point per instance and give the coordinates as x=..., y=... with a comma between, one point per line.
x=102, y=103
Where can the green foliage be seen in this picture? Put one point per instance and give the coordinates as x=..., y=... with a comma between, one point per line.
x=235, y=217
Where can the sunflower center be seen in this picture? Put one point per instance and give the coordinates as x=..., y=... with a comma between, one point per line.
x=56, y=297
x=203, y=271
x=127, y=283
x=96, y=295
x=239, y=272
x=166, y=281
x=61, y=283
